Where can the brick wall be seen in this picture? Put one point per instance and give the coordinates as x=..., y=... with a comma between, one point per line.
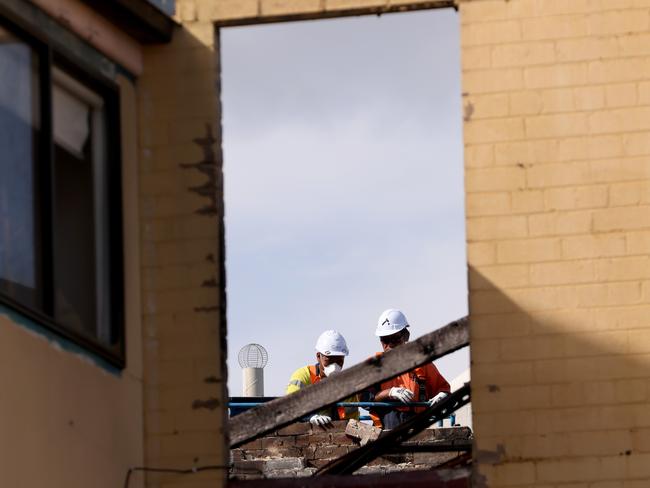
x=557, y=121
x=181, y=210
x=300, y=449
x=233, y=12
x=557, y=110
x=181, y=218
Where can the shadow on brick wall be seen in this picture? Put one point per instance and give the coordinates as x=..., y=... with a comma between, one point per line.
x=560, y=382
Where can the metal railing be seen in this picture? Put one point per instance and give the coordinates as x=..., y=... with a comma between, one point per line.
x=239, y=405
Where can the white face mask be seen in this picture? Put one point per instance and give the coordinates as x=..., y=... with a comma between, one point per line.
x=331, y=369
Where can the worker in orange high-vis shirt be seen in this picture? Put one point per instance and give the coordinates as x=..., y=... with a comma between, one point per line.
x=422, y=384
x=331, y=350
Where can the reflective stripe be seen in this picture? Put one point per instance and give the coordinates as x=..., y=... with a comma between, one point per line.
x=297, y=383
x=314, y=373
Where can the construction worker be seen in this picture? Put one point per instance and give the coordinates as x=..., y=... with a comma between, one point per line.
x=422, y=384
x=331, y=350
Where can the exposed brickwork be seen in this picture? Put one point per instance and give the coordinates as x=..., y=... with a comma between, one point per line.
x=182, y=232
x=181, y=221
x=300, y=449
x=557, y=181
x=229, y=12
x=557, y=159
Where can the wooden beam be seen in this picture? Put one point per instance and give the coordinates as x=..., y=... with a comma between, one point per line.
x=440, y=478
x=282, y=411
x=353, y=460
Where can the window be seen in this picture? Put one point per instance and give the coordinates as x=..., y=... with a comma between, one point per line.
x=60, y=208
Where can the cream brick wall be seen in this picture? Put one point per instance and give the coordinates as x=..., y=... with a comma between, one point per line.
x=239, y=12
x=558, y=224
x=557, y=164
x=181, y=218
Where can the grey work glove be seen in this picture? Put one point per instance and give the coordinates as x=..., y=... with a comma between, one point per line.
x=438, y=398
x=320, y=420
x=400, y=393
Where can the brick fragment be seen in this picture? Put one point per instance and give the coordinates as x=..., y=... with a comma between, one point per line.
x=286, y=441
x=255, y=444
x=320, y=438
x=282, y=452
x=432, y=458
x=318, y=463
x=342, y=439
x=246, y=466
x=282, y=473
x=295, y=429
x=285, y=463
x=303, y=440
x=329, y=452
x=364, y=432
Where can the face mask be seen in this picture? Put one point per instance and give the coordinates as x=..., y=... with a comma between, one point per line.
x=331, y=369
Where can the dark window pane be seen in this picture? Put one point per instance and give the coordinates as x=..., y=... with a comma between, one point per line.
x=19, y=125
x=74, y=242
x=80, y=209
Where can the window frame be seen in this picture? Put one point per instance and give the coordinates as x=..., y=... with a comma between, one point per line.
x=50, y=56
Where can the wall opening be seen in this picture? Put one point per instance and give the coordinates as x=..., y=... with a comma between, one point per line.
x=343, y=184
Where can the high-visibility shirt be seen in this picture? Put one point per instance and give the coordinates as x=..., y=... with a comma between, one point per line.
x=425, y=382
x=309, y=375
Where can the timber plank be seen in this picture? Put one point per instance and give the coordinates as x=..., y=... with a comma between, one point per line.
x=442, y=478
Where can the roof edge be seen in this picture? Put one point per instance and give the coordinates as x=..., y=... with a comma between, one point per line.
x=140, y=19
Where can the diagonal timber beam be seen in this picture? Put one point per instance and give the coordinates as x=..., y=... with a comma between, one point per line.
x=282, y=411
x=350, y=462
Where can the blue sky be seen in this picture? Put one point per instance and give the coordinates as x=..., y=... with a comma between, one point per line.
x=343, y=184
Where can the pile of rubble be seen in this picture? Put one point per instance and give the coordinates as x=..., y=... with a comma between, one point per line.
x=300, y=449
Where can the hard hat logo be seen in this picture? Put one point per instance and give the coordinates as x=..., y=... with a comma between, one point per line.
x=390, y=322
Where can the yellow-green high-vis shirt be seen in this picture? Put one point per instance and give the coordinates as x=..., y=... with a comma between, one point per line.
x=309, y=375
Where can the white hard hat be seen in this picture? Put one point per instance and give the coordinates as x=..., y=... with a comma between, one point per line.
x=390, y=322
x=332, y=343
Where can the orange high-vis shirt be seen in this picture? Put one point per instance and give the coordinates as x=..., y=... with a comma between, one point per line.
x=425, y=382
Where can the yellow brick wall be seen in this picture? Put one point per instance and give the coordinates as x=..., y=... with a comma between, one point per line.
x=234, y=12
x=557, y=161
x=181, y=217
x=557, y=108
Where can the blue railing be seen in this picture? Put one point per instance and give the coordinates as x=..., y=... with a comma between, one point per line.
x=247, y=405
x=239, y=405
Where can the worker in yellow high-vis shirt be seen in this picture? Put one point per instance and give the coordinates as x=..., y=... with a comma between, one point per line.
x=331, y=350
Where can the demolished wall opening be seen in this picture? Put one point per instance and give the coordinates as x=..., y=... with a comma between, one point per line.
x=343, y=184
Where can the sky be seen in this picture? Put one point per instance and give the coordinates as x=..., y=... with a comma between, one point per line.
x=343, y=184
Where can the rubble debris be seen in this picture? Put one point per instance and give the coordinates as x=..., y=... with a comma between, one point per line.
x=364, y=432
x=298, y=450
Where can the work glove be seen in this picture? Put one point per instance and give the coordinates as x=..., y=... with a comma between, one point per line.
x=320, y=420
x=438, y=398
x=400, y=393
